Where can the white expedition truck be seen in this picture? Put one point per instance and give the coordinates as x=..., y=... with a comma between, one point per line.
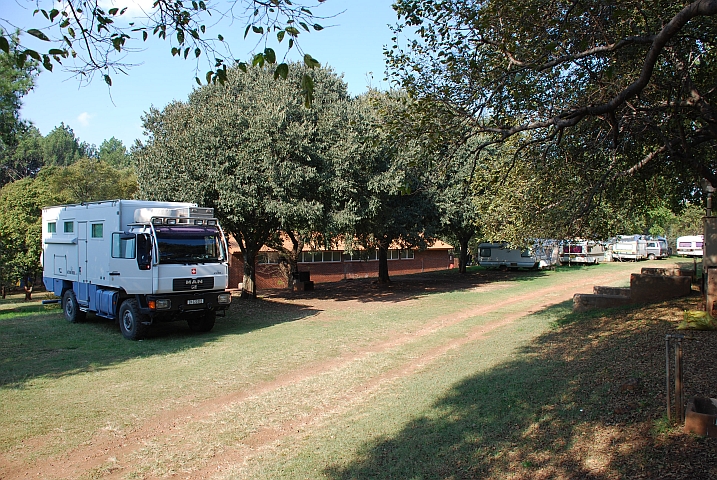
x=138, y=262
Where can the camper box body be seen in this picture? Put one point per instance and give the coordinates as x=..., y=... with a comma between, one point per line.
x=630, y=247
x=137, y=261
x=690, y=245
x=582, y=251
x=500, y=255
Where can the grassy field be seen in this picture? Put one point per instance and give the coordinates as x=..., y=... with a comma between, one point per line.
x=437, y=376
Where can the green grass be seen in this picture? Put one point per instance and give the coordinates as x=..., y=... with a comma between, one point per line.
x=359, y=403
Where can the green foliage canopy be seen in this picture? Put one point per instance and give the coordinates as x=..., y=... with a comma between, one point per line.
x=616, y=98
x=250, y=149
x=92, y=37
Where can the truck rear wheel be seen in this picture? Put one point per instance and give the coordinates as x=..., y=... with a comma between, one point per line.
x=130, y=321
x=203, y=322
x=70, y=308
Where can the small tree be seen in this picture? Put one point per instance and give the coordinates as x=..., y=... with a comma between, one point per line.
x=248, y=148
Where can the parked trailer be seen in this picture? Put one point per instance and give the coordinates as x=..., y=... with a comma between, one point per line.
x=501, y=256
x=690, y=245
x=582, y=251
x=630, y=247
x=138, y=262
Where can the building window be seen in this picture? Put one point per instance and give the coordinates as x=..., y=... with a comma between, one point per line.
x=51, y=227
x=97, y=230
x=69, y=227
x=323, y=256
x=402, y=254
x=266, y=258
x=363, y=256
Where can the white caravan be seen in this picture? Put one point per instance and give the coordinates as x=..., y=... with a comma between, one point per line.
x=500, y=255
x=138, y=262
x=691, y=245
x=582, y=251
x=629, y=247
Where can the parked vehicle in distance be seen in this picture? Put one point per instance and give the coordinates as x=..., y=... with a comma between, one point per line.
x=657, y=248
x=502, y=256
x=582, y=251
x=690, y=245
x=629, y=247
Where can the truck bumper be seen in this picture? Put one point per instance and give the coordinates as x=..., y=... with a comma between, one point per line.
x=178, y=303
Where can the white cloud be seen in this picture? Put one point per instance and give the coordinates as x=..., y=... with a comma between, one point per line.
x=84, y=119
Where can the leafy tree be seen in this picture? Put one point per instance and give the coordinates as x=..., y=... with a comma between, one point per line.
x=114, y=153
x=617, y=94
x=98, y=38
x=21, y=205
x=249, y=149
x=61, y=147
x=394, y=201
x=26, y=158
x=459, y=212
x=89, y=180
x=15, y=82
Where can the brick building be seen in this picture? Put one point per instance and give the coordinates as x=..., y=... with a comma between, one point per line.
x=336, y=265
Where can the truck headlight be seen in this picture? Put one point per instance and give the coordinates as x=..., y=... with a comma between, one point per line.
x=224, y=298
x=163, y=304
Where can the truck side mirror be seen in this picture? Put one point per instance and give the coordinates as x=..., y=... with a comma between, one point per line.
x=144, y=252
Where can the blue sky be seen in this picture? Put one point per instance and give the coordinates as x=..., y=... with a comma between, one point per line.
x=352, y=44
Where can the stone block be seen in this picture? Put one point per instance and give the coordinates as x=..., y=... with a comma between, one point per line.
x=654, y=288
x=624, y=291
x=701, y=416
x=586, y=301
x=672, y=271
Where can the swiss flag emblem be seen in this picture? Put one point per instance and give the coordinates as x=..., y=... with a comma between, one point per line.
x=194, y=271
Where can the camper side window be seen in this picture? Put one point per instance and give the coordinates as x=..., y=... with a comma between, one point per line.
x=485, y=252
x=52, y=227
x=123, y=245
x=97, y=230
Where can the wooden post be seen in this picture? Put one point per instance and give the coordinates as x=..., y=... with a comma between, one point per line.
x=679, y=390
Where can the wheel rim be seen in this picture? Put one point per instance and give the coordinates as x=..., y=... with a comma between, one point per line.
x=69, y=310
x=127, y=321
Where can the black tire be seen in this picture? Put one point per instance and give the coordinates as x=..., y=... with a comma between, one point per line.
x=70, y=307
x=651, y=256
x=130, y=321
x=203, y=322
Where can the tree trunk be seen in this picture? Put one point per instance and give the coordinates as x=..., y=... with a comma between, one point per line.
x=463, y=256
x=383, y=263
x=297, y=244
x=248, y=289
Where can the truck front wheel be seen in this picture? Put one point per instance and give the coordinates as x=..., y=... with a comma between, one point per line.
x=130, y=321
x=70, y=307
x=203, y=322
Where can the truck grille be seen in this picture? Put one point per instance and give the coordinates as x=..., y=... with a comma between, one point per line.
x=201, y=283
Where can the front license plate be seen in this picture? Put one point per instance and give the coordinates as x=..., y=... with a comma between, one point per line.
x=195, y=301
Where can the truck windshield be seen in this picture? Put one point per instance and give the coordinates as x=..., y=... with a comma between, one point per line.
x=189, y=245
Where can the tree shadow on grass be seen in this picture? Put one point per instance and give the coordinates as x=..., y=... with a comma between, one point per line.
x=405, y=287
x=44, y=344
x=582, y=401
